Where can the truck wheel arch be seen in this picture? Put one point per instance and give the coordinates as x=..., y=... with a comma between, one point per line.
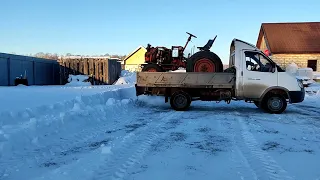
x=276, y=90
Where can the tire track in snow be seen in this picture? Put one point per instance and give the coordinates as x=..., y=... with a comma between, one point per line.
x=263, y=164
x=129, y=154
x=243, y=168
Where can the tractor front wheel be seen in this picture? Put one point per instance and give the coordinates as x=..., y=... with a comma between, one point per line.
x=152, y=68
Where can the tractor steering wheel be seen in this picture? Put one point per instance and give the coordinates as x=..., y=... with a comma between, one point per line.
x=191, y=35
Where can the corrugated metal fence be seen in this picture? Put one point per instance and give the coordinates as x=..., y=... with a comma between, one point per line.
x=39, y=71
x=101, y=70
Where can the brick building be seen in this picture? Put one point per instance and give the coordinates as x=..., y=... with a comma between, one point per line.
x=292, y=42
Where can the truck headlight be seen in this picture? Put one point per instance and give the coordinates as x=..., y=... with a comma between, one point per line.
x=300, y=83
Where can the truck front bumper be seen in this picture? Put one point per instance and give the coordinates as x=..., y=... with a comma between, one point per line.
x=297, y=96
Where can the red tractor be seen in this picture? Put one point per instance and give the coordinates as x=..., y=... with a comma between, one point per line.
x=161, y=59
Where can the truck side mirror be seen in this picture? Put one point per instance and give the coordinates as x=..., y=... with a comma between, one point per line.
x=273, y=69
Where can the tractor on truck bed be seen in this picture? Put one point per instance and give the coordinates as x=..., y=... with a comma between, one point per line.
x=162, y=59
x=251, y=77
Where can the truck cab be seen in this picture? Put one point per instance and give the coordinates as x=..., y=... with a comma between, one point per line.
x=257, y=76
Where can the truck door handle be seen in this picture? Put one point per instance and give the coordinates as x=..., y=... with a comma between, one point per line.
x=253, y=79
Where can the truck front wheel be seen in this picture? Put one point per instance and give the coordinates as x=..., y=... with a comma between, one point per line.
x=274, y=104
x=180, y=101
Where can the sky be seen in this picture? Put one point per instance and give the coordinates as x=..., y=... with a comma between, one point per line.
x=95, y=27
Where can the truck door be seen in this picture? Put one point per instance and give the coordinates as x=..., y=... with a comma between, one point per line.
x=259, y=73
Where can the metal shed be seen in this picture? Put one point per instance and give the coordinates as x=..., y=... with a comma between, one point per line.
x=38, y=71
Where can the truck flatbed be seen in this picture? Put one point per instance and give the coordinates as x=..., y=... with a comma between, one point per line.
x=185, y=79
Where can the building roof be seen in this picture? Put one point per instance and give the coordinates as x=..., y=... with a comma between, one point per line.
x=300, y=37
x=133, y=52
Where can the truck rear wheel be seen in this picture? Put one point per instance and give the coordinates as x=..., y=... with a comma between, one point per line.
x=204, y=61
x=180, y=101
x=152, y=68
x=274, y=104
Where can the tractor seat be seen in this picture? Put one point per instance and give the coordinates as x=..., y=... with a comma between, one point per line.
x=207, y=46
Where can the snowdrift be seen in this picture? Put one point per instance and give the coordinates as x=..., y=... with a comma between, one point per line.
x=8, y=117
x=126, y=78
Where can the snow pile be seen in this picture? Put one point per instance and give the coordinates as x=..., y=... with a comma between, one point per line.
x=114, y=102
x=9, y=117
x=78, y=80
x=316, y=76
x=18, y=98
x=126, y=78
x=125, y=73
x=304, y=74
x=48, y=115
x=292, y=68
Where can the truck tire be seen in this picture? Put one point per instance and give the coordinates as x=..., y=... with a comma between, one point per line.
x=274, y=104
x=152, y=68
x=204, y=61
x=180, y=101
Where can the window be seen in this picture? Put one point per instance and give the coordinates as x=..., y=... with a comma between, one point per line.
x=312, y=64
x=175, y=52
x=232, y=59
x=257, y=62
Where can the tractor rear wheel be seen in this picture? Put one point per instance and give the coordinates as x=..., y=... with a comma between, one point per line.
x=204, y=61
x=152, y=68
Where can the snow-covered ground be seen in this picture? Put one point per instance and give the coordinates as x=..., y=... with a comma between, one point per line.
x=106, y=132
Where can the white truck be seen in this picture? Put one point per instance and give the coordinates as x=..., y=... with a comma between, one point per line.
x=252, y=77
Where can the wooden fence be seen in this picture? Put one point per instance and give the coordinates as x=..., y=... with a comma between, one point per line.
x=100, y=70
